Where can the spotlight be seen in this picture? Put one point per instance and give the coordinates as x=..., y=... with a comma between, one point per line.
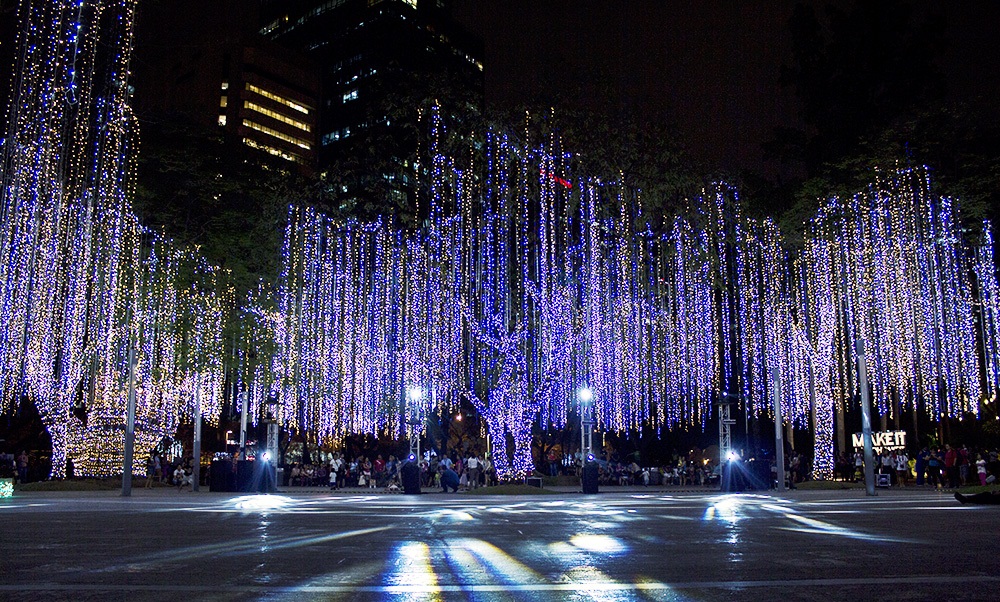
x=732, y=456
x=411, y=458
x=266, y=456
x=586, y=395
x=590, y=457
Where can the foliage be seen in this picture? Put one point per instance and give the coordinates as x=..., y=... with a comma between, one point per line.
x=612, y=143
x=234, y=211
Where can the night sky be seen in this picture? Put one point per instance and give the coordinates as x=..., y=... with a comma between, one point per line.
x=708, y=68
x=711, y=68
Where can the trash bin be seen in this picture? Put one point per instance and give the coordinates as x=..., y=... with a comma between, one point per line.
x=245, y=476
x=590, y=476
x=221, y=476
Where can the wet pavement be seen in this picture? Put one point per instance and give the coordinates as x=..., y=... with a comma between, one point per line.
x=645, y=545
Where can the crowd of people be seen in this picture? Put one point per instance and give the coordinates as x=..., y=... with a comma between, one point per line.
x=936, y=466
x=178, y=472
x=944, y=466
x=472, y=471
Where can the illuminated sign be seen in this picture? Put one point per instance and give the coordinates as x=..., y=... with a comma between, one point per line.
x=884, y=440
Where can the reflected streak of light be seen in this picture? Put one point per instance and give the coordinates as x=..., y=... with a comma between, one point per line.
x=449, y=515
x=727, y=509
x=264, y=524
x=503, y=564
x=824, y=528
x=467, y=567
x=261, y=503
x=412, y=573
x=12, y=506
x=819, y=527
x=240, y=548
x=562, y=549
x=596, y=585
x=599, y=543
x=600, y=525
x=658, y=590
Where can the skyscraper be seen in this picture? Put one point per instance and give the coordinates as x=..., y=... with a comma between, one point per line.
x=379, y=60
x=204, y=63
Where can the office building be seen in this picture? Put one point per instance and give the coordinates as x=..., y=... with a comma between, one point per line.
x=380, y=61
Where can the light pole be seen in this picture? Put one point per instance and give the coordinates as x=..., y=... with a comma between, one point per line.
x=586, y=423
x=726, y=423
x=414, y=419
x=270, y=455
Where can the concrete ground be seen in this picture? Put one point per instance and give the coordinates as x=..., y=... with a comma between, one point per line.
x=650, y=544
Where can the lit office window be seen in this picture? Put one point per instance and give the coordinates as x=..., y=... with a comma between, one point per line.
x=276, y=134
x=279, y=99
x=275, y=115
x=277, y=152
x=349, y=96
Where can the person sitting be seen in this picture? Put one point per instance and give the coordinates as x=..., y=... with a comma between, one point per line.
x=182, y=478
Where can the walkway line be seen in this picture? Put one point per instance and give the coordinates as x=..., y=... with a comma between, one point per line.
x=523, y=587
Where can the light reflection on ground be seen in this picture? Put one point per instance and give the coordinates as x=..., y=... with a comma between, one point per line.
x=584, y=549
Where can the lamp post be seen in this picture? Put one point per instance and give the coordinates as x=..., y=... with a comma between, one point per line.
x=588, y=467
x=414, y=419
x=586, y=422
x=270, y=455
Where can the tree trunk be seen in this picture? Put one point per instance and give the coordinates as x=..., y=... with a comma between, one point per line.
x=498, y=449
x=841, y=429
x=60, y=443
x=521, y=462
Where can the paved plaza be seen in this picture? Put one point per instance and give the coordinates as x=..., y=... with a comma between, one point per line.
x=642, y=545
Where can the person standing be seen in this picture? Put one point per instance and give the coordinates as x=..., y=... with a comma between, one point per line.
x=472, y=464
x=963, y=464
x=934, y=464
x=951, y=466
x=22, y=467
x=488, y=470
x=335, y=471
x=923, y=457
x=902, y=468
x=152, y=469
x=378, y=472
x=981, y=469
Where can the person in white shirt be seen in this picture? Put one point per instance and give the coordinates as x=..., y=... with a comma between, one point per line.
x=472, y=465
x=335, y=465
x=902, y=468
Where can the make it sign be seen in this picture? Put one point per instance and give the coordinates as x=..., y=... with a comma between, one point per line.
x=883, y=440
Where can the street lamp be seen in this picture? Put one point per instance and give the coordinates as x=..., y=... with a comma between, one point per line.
x=586, y=423
x=588, y=468
x=414, y=396
x=270, y=455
